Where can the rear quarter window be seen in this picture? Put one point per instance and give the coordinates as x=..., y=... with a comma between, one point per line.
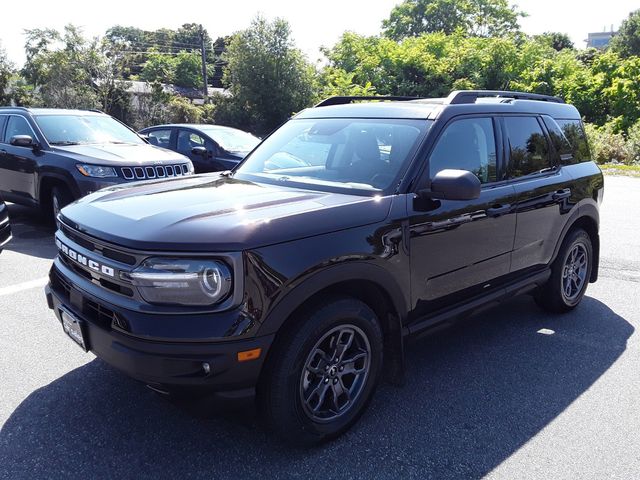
x=573, y=146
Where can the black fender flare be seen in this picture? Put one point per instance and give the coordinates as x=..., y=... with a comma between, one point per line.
x=62, y=177
x=307, y=287
x=585, y=210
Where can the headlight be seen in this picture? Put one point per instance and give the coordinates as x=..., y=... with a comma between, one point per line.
x=180, y=281
x=97, y=171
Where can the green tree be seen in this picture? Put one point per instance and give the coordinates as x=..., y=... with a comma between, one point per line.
x=62, y=76
x=6, y=74
x=486, y=18
x=556, y=40
x=188, y=70
x=627, y=41
x=337, y=82
x=269, y=79
x=159, y=67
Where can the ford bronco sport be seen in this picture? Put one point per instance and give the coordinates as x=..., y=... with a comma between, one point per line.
x=299, y=274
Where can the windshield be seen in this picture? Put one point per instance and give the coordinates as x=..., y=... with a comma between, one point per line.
x=84, y=129
x=232, y=140
x=359, y=154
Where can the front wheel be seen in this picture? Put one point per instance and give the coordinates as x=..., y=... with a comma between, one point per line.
x=320, y=377
x=570, y=274
x=60, y=198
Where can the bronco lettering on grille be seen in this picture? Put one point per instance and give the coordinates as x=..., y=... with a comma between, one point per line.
x=83, y=260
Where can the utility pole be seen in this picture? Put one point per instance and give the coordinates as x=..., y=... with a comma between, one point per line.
x=203, y=53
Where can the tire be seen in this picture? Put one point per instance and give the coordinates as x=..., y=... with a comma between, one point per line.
x=60, y=198
x=570, y=274
x=299, y=375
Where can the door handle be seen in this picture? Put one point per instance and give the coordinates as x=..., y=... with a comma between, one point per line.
x=498, y=210
x=561, y=194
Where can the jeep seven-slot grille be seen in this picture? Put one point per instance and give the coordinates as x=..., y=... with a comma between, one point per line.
x=93, y=311
x=159, y=171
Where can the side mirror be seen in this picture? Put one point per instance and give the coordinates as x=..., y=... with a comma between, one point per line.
x=452, y=184
x=22, y=141
x=202, y=151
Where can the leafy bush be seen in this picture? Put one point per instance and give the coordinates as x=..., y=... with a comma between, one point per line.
x=607, y=146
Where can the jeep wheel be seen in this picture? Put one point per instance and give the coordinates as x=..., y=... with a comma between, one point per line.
x=320, y=378
x=60, y=198
x=570, y=274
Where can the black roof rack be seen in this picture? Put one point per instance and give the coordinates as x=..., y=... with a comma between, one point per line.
x=470, y=96
x=344, y=100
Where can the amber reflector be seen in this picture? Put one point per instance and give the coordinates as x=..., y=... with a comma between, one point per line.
x=249, y=355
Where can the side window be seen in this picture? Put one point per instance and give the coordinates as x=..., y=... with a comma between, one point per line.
x=3, y=121
x=574, y=133
x=560, y=142
x=467, y=144
x=187, y=140
x=17, y=126
x=528, y=146
x=160, y=138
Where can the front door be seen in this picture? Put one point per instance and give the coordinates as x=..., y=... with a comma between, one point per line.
x=18, y=164
x=461, y=248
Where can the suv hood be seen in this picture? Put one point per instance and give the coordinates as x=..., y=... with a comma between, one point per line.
x=210, y=213
x=119, y=155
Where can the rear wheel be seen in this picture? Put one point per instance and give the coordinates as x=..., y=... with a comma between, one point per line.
x=570, y=274
x=319, y=379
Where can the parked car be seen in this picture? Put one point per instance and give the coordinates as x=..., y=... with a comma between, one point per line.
x=211, y=148
x=5, y=228
x=301, y=284
x=50, y=157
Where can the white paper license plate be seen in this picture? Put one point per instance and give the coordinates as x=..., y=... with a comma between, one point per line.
x=72, y=326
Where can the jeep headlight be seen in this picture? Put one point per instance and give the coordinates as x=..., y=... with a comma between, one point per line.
x=179, y=281
x=97, y=171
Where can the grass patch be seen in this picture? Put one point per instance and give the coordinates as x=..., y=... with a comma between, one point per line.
x=620, y=169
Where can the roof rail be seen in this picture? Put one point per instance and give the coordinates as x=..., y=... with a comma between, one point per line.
x=96, y=110
x=344, y=100
x=9, y=107
x=470, y=96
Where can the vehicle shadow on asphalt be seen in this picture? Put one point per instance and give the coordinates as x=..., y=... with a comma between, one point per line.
x=32, y=235
x=474, y=395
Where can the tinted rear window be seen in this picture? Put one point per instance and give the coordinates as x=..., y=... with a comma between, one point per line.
x=574, y=134
x=529, y=150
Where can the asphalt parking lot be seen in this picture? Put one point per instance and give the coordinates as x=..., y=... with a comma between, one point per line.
x=513, y=393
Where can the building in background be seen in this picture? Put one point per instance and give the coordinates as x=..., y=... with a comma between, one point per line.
x=599, y=39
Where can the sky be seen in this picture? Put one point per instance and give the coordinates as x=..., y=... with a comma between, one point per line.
x=313, y=23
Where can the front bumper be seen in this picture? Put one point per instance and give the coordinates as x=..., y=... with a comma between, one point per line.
x=167, y=366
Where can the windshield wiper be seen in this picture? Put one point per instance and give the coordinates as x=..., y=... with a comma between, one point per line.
x=65, y=142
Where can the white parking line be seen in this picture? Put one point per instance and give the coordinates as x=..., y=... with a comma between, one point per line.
x=39, y=282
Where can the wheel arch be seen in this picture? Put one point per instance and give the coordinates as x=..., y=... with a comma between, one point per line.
x=370, y=284
x=47, y=182
x=588, y=219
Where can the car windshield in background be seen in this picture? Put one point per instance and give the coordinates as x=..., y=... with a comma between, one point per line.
x=359, y=154
x=232, y=140
x=84, y=130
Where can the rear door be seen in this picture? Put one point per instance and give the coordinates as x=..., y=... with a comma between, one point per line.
x=543, y=190
x=461, y=248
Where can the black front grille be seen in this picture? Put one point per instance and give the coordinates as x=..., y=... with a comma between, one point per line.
x=92, y=311
x=96, y=247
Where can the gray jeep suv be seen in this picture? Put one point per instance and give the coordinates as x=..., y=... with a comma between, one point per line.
x=51, y=157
